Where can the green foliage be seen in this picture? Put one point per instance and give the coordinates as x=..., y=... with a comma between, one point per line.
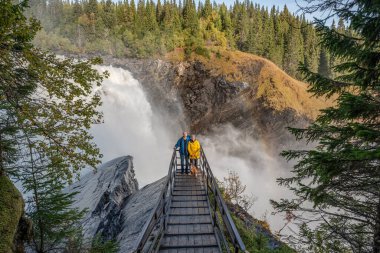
x=323, y=67
x=47, y=107
x=98, y=246
x=155, y=28
x=202, y=51
x=54, y=220
x=256, y=242
x=337, y=182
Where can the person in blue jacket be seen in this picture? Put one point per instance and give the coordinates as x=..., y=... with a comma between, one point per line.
x=184, y=153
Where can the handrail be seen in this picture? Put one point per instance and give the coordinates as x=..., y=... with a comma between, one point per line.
x=158, y=217
x=219, y=203
x=155, y=227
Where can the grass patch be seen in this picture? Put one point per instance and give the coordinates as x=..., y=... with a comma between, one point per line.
x=257, y=242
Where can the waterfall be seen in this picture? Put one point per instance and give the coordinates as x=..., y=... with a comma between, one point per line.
x=132, y=128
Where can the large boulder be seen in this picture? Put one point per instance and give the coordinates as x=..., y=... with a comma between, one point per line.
x=116, y=208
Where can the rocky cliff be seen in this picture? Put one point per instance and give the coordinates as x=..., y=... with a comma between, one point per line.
x=246, y=91
x=116, y=208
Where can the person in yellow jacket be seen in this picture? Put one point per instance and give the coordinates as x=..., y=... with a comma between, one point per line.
x=194, y=148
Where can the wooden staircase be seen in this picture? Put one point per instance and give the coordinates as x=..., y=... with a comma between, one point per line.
x=190, y=216
x=189, y=227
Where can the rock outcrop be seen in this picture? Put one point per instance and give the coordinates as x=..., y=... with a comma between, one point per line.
x=14, y=226
x=246, y=91
x=116, y=208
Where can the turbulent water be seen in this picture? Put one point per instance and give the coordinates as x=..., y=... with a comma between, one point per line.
x=132, y=127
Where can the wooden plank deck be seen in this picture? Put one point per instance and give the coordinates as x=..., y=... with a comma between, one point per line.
x=190, y=228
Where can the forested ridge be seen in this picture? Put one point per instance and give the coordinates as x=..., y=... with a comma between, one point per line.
x=145, y=28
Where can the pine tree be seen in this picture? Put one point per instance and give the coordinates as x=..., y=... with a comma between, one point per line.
x=311, y=48
x=159, y=12
x=109, y=17
x=207, y=9
x=55, y=222
x=150, y=22
x=293, y=49
x=337, y=181
x=269, y=50
x=140, y=19
x=190, y=19
x=132, y=11
x=324, y=65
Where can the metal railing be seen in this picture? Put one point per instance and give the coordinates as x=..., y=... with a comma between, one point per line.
x=227, y=234
x=153, y=230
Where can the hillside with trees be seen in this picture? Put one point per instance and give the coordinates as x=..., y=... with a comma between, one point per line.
x=144, y=29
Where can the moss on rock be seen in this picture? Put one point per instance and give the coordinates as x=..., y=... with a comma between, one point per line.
x=11, y=210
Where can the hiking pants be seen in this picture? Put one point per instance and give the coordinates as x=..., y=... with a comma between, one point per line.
x=184, y=163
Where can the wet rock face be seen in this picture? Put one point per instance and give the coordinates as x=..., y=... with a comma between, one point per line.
x=204, y=96
x=189, y=95
x=116, y=208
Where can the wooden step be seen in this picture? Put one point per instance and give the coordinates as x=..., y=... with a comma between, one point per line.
x=187, y=189
x=190, y=229
x=185, y=219
x=190, y=204
x=189, y=193
x=189, y=211
x=191, y=250
x=189, y=198
x=189, y=241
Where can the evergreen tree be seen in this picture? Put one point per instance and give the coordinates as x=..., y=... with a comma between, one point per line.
x=293, y=49
x=341, y=27
x=140, y=19
x=269, y=37
x=91, y=7
x=150, y=23
x=159, y=12
x=207, y=9
x=132, y=11
x=246, y=26
x=47, y=105
x=190, y=19
x=310, y=42
x=337, y=182
x=324, y=66
x=240, y=23
x=109, y=15
x=55, y=222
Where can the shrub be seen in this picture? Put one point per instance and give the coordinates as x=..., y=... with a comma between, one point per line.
x=202, y=51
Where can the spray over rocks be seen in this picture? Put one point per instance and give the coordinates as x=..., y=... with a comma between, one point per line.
x=138, y=125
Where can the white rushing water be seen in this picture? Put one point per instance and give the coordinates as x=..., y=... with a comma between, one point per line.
x=131, y=128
